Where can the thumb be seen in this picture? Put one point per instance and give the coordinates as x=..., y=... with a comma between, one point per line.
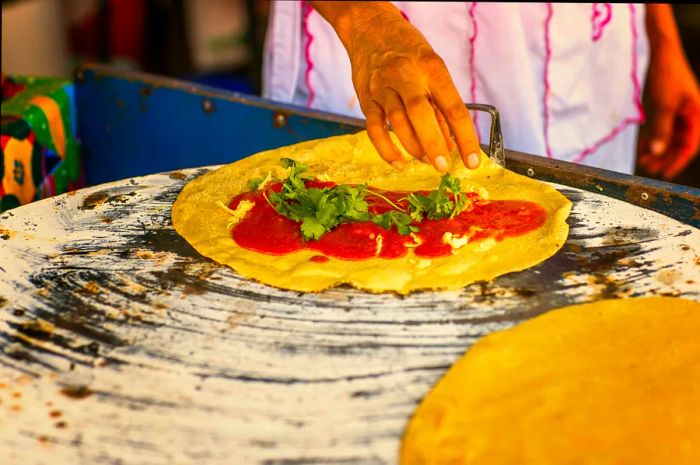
x=660, y=131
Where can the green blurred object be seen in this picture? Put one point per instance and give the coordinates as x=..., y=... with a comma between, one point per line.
x=40, y=151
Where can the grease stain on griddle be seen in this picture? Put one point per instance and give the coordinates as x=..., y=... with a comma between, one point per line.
x=92, y=348
x=100, y=197
x=524, y=292
x=18, y=352
x=193, y=290
x=6, y=234
x=94, y=200
x=576, y=265
x=163, y=240
x=70, y=308
x=76, y=392
x=668, y=277
x=35, y=329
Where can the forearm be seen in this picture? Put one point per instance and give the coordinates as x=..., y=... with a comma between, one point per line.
x=661, y=27
x=349, y=17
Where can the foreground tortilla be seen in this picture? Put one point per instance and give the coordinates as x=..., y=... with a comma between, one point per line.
x=610, y=383
x=352, y=159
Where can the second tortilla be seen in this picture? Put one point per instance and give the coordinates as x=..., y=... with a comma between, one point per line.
x=609, y=383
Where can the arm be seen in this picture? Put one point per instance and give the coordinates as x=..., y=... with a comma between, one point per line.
x=398, y=77
x=673, y=132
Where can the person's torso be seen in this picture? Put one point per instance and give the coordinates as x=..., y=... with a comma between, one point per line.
x=566, y=78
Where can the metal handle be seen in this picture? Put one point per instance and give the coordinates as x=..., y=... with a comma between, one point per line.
x=496, y=151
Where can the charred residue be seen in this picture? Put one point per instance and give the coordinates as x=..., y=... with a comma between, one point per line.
x=76, y=392
x=98, y=198
x=68, y=304
x=594, y=267
x=94, y=200
x=162, y=240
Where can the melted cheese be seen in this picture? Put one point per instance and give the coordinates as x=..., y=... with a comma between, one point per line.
x=236, y=215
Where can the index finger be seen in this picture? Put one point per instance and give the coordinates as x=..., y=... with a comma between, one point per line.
x=379, y=135
x=685, y=141
x=458, y=118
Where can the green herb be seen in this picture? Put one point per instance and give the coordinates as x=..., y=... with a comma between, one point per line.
x=395, y=218
x=320, y=209
x=254, y=183
x=446, y=202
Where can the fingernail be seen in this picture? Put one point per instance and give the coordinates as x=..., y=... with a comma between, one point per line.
x=399, y=165
x=657, y=147
x=473, y=160
x=441, y=163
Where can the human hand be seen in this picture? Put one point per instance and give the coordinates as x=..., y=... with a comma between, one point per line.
x=400, y=79
x=671, y=137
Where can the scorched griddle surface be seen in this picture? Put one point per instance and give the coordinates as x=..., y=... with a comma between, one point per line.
x=122, y=345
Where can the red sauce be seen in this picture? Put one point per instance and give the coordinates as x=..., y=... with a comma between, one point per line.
x=266, y=231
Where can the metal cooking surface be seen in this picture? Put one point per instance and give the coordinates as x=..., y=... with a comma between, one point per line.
x=121, y=344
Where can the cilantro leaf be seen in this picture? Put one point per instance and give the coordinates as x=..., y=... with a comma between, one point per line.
x=254, y=183
x=311, y=228
x=401, y=220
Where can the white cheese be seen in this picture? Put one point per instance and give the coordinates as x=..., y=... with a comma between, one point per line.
x=455, y=241
x=416, y=241
x=380, y=242
x=236, y=215
x=265, y=181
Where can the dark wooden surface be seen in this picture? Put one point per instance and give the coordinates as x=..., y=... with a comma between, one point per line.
x=120, y=344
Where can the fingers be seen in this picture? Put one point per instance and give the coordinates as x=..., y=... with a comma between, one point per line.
x=425, y=124
x=444, y=128
x=660, y=132
x=458, y=119
x=686, y=139
x=681, y=148
x=379, y=135
x=396, y=113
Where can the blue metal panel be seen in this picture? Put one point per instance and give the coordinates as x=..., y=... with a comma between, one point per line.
x=132, y=125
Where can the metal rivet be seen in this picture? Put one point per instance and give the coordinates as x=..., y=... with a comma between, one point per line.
x=279, y=120
x=530, y=172
x=208, y=106
x=645, y=196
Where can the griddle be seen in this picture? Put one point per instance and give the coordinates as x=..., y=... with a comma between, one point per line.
x=121, y=344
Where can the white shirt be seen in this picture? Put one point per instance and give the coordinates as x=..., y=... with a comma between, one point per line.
x=566, y=78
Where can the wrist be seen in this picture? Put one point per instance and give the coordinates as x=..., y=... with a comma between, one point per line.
x=352, y=20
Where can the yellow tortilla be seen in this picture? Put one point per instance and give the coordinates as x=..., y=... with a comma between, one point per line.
x=609, y=383
x=352, y=159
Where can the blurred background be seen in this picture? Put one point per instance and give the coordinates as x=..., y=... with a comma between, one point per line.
x=213, y=42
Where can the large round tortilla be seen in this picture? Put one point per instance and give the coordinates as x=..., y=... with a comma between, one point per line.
x=610, y=383
x=352, y=159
